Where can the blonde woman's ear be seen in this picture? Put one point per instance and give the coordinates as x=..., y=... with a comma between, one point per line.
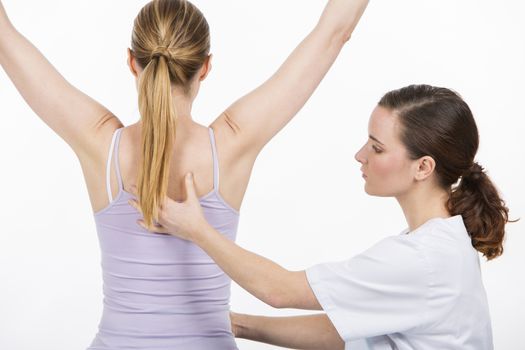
x=206, y=68
x=132, y=63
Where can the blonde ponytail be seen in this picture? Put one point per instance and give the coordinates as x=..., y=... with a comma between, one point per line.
x=159, y=121
x=171, y=42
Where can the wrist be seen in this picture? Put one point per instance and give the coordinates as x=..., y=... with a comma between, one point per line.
x=239, y=325
x=201, y=232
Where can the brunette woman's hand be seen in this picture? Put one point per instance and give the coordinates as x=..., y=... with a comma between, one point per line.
x=180, y=219
x=236, y=329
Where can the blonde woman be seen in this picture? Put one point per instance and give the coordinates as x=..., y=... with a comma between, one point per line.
x=161, y=292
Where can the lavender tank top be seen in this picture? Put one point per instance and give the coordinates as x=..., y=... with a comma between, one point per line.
x=161, y=292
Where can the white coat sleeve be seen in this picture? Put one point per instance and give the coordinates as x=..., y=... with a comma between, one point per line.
x=381, y=291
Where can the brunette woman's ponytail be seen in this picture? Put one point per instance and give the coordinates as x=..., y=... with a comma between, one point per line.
x=484, y=213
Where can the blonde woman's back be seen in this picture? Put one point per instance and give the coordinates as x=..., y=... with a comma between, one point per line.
x=159, y=291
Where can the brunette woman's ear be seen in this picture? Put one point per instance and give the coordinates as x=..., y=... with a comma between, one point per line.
x=425, y=168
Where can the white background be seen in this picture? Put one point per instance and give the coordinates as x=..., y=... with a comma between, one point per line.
x=305, y=203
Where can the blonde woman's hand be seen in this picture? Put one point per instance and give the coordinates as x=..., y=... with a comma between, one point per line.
x=180, y=219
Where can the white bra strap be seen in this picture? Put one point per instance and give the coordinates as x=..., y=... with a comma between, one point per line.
x=215, y=161
x=108, y=167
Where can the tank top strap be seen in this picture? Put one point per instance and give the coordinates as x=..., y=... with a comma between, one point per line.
x=113, y=151
x=215, y=161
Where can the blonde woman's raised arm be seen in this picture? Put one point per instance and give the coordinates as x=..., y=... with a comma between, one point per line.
x=74, y=116
x=257, y=117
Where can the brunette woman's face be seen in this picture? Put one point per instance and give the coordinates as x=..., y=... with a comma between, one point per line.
x=387, y=169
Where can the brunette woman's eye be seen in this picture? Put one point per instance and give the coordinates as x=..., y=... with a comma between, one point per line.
x=377, y=149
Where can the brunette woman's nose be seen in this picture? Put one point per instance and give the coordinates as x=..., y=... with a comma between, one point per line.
x=360, y=156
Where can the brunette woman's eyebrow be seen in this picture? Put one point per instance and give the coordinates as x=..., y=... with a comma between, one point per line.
x=376, y=140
